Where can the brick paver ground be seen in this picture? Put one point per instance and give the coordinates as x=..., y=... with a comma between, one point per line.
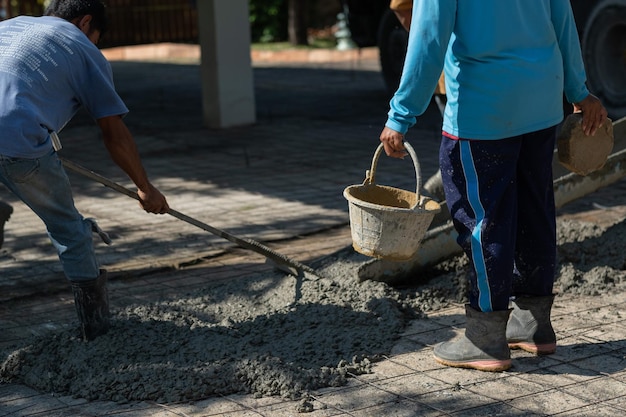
x=280, y=182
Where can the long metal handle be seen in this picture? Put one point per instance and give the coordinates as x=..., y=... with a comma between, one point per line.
x=253, y=245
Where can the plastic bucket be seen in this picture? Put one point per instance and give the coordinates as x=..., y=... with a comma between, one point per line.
x=387, y=222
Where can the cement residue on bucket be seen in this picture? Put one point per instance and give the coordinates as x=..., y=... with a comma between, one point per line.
x=272, y=335
x=388, y=222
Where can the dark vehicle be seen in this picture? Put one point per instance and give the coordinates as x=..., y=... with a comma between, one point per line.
x=601, y=28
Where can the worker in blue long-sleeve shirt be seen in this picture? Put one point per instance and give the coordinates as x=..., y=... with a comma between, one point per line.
x=507, y=64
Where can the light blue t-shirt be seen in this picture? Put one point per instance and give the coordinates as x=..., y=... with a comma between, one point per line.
x=48, y=70
x=506, y=64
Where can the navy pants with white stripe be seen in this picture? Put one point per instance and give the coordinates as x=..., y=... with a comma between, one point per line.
x=501, y=198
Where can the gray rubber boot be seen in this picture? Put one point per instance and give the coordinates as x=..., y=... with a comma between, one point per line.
x=529, y=326
x=91, y=299
x=482, y=347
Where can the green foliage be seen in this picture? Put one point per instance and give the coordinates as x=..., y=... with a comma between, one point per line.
x=30, y=7
x=268, y=20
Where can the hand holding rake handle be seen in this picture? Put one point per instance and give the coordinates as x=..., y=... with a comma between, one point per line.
x=277, y=258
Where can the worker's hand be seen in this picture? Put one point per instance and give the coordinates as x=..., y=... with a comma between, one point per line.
x=393, y=143
x=594, y=114
x=152, y=201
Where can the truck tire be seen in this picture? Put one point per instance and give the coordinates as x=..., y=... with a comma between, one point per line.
x=604, y=54
x=392, y=43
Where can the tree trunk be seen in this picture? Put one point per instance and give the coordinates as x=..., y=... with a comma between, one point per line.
x=298, y=12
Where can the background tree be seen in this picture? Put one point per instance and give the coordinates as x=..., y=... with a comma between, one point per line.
x=291, y=20
x=268, y=20
x=298, y=22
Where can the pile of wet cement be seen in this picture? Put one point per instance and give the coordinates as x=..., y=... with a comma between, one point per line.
x=274, y=335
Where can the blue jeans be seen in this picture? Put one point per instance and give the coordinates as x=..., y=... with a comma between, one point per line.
x=43, y=185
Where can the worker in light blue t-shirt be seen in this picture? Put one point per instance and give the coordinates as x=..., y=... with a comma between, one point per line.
x=507, y=64
x=50, y=67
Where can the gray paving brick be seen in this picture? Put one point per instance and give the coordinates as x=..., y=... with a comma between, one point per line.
x=281, y=178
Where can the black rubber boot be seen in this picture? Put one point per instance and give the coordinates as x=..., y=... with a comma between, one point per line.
x=529, y=326
x=483, y=346
x=5, y=213
x=91, y=299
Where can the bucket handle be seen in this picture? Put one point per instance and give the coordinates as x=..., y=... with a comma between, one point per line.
x=370, y=177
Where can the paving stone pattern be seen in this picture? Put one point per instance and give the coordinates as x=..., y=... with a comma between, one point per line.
x=280, y=181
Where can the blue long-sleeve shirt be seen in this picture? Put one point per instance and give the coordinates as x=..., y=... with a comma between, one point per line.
x=506, y=63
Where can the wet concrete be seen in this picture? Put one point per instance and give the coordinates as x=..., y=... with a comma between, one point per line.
x=195, y=320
